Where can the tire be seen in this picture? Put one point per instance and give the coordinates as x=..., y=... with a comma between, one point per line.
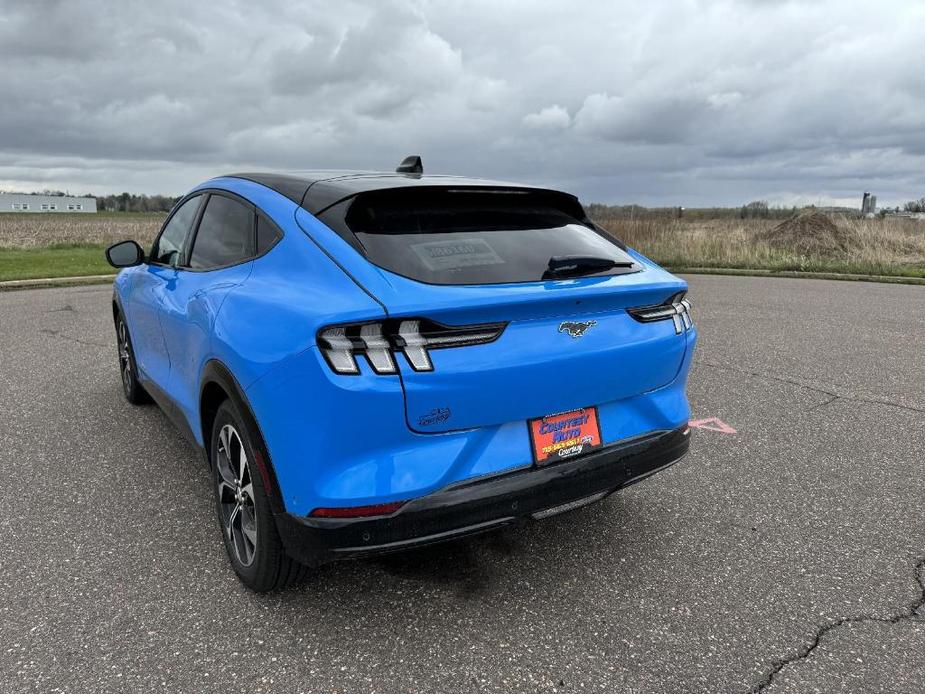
x=132, y=389
x=245, y=519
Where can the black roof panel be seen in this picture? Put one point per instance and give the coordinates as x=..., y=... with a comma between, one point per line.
x=318, y=190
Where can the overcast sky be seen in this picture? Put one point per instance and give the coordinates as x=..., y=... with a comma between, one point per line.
x=669, y=102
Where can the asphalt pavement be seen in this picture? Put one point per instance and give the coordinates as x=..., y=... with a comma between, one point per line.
x=785, y=557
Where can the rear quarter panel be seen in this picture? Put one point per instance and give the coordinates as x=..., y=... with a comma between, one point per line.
x=291, y=292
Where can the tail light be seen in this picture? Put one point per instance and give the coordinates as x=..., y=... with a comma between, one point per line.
x=380, y=341
x=358, y=511
x=677, y=308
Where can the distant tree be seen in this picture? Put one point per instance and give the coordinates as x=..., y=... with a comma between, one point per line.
x=126, y=202
x=757, y=209
x=915, y=205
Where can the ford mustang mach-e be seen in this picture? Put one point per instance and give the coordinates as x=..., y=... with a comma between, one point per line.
x=374, y=361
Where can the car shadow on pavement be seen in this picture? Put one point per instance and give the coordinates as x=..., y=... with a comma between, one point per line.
x=543, y=554
x=463, y=565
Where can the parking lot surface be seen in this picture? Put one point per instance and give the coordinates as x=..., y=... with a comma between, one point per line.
x=785, y=557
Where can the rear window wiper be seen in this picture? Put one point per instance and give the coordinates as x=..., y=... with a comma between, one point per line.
x=570, y=265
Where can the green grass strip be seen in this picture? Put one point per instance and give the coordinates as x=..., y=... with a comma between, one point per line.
x=56, y=261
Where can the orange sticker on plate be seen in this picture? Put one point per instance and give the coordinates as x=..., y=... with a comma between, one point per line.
x=564, y=435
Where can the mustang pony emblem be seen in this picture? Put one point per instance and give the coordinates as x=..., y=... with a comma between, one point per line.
x=576, y=328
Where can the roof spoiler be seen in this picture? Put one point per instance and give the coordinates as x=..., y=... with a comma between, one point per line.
x=411, y=165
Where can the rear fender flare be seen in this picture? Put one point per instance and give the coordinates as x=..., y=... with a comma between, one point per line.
x=215, y=373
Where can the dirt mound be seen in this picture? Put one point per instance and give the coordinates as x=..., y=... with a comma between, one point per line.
x=810, y=233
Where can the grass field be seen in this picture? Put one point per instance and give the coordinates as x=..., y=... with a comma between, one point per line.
x=67, y=245
x=63, y=245
x=873, y=246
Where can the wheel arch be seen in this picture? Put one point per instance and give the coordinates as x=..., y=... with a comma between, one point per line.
x=217, y=385
x=116, y=305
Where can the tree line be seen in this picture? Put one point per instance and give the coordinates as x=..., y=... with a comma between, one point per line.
x=758, y=209
x=127, y=202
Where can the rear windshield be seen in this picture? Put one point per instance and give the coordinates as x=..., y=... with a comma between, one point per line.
x=472, y=236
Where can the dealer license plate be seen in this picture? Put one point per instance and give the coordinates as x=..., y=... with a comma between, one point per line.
x=564, y=435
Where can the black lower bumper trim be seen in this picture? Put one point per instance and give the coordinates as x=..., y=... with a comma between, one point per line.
x=476, y=506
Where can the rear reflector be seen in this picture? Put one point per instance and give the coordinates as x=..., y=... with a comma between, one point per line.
x=358, y=511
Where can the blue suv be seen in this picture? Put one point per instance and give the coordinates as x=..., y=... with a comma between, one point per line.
x=375, y=361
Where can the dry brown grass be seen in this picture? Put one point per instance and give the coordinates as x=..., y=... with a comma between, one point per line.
x=888, y=246
x=102, y=229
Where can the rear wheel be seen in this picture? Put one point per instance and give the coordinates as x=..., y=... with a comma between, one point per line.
x=128, y=367
x=254, y=548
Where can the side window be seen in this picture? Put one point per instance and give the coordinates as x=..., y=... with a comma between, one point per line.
x=225, y=236
x=267, y=234
x=172, y=238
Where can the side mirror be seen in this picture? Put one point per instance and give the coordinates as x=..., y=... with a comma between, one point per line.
x=125, y=254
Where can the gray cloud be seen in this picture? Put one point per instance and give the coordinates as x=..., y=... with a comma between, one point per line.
x=552, y=117
x=709, y=102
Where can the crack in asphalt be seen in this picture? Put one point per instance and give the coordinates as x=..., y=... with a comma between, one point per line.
x=823, y=403
x=60, y=335
x=67, y=308
x=908, y=613
x=792, y=381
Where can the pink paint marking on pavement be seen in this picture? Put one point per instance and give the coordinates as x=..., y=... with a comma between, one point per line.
x=712, y=424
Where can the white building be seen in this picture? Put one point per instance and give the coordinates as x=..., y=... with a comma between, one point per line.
x=22, y=202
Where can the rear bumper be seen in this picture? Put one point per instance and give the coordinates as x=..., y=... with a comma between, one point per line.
x=484, y=504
